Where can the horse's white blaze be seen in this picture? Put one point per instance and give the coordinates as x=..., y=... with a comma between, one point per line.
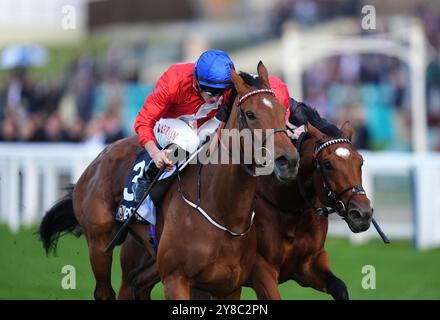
x=267, y=102
x=343, y=152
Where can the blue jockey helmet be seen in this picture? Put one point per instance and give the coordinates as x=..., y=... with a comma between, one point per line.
x=213, y=69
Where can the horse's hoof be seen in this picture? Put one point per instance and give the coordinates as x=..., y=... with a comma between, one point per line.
x=337, y=288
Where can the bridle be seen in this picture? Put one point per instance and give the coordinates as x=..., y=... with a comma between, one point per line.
x=242, y=118
x=243, y=124
x=336, y=204
x=335, y=198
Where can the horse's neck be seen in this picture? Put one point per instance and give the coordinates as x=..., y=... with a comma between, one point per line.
x=306, y=173
x=230, y=189
x=287, y=197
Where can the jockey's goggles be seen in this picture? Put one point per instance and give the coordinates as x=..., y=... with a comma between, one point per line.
x=212, y=92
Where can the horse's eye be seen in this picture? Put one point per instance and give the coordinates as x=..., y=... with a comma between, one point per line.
x=362, y=163
x=327, y=165
x=250, y=115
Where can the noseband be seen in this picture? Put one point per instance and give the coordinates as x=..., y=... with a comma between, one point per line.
x=335, y=199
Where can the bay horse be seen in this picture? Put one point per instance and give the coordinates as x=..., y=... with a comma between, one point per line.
x=192, y=253
x=290, y=232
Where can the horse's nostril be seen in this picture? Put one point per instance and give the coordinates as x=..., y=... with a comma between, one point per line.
x=281, y=161
x=355, y=214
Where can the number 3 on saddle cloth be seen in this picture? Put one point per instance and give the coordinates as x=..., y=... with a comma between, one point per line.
x=147, y=211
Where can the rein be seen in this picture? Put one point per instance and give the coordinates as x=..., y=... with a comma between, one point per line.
x=242, y=125
x=204, y=213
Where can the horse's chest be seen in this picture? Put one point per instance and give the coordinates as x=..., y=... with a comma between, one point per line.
x=225, y=275
x=226, y=266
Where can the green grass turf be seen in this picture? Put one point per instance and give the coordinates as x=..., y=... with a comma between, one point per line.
x=401, y=272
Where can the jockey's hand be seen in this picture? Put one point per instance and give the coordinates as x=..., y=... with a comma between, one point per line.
x=160, y=159
x=296, y=131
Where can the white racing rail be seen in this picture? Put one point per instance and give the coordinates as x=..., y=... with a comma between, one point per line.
x=32, y=177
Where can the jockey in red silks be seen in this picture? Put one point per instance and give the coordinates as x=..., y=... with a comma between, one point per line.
x=182, y=108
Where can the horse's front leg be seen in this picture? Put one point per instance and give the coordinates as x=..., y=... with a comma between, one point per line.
x=176, y=287
x=264, y=280
x=139, y=271
x=197, y=294
x=336, y=288
x=139, y=268
x=318, y=275
x=235, y=295
x=145, y=281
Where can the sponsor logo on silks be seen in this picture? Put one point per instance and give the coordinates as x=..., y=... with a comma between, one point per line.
x=169, y=132
x=124, y=212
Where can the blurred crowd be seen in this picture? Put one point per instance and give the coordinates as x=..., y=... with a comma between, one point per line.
x=96, y=102
x=92, y=102
x=370, y=90
x=310, y=12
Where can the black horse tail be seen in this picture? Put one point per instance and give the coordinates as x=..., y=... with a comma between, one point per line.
x=58, y=221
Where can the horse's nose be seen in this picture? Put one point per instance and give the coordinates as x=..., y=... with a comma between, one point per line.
x=281, y=162
x=286, y=161
x=286, y=167
x=358, y=211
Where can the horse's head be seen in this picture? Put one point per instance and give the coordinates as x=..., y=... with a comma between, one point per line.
x=258, y=108
x=338, y=177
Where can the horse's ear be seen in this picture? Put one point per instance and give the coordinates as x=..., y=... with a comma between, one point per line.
x=239, y=83
x=263, y=74
x=347, y=130
x=313, y=131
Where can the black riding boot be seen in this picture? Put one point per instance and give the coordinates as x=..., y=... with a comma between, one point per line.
x=144, y=182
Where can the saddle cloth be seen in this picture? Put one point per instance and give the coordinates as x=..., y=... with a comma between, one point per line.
x=147, y=211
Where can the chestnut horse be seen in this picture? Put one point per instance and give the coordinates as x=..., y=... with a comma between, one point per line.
x=192, y=252
x=291, y=233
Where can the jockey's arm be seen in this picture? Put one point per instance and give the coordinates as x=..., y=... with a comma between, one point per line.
x=154, y=107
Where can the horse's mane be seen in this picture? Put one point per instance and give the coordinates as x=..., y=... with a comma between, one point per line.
x=303, y=113
x=300, y=112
